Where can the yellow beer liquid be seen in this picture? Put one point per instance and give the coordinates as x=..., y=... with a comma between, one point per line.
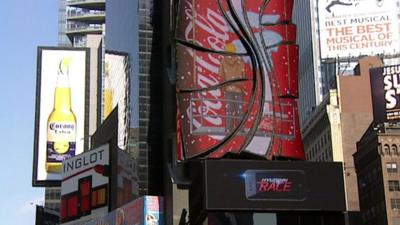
x=108, y=96
x=61, y=114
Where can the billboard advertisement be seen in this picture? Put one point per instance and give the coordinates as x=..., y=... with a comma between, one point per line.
x=385, y=93
x=115, y=92
x=350, y=28
x=146, y=210
x=85, y=186
x=237, y=84
x=61, y=91
x=268, y=185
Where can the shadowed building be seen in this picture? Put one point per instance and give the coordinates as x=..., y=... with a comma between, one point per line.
x=377, y=161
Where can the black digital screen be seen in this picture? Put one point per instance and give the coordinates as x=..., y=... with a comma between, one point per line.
x=269, y=185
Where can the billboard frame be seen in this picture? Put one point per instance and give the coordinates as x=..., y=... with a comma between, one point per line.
x=384, y=93
x=100, y=83
x=40, y=49
x=350, y=28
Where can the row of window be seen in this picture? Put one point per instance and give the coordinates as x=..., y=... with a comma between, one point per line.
x=321, y=156
x=319, y=147
x=52, y=194
x=391, y=167
x=395, y=203
x=394, y=185
x=390, y=150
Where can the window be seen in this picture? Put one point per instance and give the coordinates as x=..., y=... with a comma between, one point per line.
x=85, y=185
x=99, y=196
x=394, y=150
x=69, y=207
x=395, y=203
x=391, y=167
x=394, y=185
x=386, y=149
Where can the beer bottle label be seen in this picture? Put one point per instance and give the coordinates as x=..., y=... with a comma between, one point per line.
x=61, y=142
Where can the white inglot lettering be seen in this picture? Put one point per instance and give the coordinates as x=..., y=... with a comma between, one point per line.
x=83, y=160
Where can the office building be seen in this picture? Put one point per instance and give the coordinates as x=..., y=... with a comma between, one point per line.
x=377, y=162
x=84, y=17
x=134, y=27
x=63, y=39
x=302, y=17
x=315, y=76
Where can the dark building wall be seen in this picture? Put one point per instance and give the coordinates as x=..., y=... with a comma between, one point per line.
x=136, y=27
x=151, y=19
x=376, y=161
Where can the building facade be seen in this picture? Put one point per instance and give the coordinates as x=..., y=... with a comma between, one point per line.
x=134, y=27
x=302, y=17
x=338, y=123
x=316, y=77
x=63, y=39
x=377, y=161
x=84, y=17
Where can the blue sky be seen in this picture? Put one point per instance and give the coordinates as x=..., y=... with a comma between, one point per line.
x=24, y=25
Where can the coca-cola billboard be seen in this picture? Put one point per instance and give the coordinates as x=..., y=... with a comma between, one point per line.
x=237, y=68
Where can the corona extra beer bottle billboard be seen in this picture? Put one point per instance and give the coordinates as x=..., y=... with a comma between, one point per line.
x=61, y=124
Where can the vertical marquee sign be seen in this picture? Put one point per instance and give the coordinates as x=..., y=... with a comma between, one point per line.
x=237, y=68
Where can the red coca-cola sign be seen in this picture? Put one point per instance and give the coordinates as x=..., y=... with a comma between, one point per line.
x=237, y=68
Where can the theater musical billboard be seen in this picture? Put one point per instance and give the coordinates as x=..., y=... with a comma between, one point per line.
x=350, y=28
x=385, y=93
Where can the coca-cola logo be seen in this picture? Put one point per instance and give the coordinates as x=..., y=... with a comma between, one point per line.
x=215, y=30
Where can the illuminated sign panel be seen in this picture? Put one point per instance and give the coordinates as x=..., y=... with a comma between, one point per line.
x=385, y=89
x=267, y=185
x=60, y=111
x=350, y=28
x=237, y=80
x=85, y=186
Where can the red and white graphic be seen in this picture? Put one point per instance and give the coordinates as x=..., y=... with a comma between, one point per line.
x=237, y=69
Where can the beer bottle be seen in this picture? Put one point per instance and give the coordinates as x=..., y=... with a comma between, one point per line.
x=108, y=93
x=61, y=124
